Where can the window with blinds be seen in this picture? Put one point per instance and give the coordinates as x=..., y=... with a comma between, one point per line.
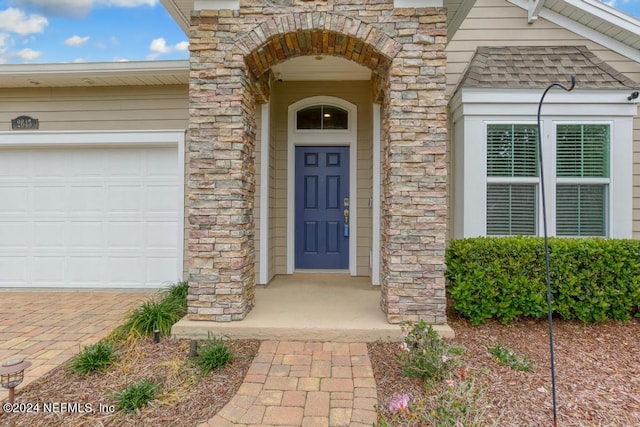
x=582, y=179
x=512, y=179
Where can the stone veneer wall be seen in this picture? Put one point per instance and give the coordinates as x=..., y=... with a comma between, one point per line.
x=231, y=53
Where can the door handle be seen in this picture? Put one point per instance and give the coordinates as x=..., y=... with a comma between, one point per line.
x=345, y=232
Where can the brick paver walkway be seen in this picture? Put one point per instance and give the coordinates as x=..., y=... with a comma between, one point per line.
x=304, y=384
x=48, y=328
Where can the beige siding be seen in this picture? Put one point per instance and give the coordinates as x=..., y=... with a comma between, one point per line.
x=100, y=108
x=287, y=93
x=500, y=23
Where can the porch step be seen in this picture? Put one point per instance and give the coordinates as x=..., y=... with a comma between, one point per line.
x=309, y=307
x=197, y=329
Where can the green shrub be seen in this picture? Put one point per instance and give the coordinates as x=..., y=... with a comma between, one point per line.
x=213, y=354
x=508, y=357
x=93, y=357
x=135, y=396
x=425, y=355
x=503, y=278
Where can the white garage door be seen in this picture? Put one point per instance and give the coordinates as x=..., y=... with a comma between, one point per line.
x=89, y=217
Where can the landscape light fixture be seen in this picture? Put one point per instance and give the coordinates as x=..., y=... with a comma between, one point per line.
x=12, y=374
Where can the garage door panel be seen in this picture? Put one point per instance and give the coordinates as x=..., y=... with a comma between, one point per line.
x=161, y=164
x=86, y=270
x=124, y=163
x=49, y=163
x=162, y=234
x=15, y=200
x=12, y=235
x=125, y=270
x=49, y=234
x=89, y=199
x=48, y=270
x=13, y=165
x=14, y=269
x=161, y=269
x=162, y=198
x=89, y=216
x=126, y=234
x=125, y=198
x=48, y=199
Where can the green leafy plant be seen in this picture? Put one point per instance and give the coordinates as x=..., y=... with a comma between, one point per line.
x=135, y=396
x=509, y=358
x=503, y=278
x=425, y=355
x=213, y=354
x=94, y=357
x=459, y=401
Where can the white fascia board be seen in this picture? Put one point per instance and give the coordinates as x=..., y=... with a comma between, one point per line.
x=94, y=68
x=584, y=31
x=216, y=5
x=399, y=4
x=514, y=102
x=609, y=13
x=177, y=15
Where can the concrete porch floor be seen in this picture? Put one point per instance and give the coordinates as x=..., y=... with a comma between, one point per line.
x=309, y=307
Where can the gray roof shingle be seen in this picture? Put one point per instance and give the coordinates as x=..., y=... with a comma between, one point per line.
x=539, y=66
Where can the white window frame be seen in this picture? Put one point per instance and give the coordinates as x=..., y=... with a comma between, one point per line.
x=551, y=172
x=511, y=180
x=473, y=108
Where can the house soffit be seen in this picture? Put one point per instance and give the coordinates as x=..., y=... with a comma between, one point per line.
x=96, y=74
x=592, y=19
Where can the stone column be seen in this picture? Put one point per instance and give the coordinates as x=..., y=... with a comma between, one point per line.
x=414, y=208
x=220, y=174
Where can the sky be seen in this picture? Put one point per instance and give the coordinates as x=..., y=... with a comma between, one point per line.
x=48, y=31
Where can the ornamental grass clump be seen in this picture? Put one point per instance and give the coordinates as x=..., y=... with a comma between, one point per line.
x=94, y=357
x=135, y=396
x=213, y=354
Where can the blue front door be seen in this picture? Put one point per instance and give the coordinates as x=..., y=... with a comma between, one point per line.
x=322, y=197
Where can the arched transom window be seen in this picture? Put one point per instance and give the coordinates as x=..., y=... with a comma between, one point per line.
x=322, y=117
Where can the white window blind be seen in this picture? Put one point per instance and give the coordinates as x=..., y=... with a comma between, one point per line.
x=512, y=171
x=582, y=170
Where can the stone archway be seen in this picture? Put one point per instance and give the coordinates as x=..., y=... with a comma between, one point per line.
x=231, y=57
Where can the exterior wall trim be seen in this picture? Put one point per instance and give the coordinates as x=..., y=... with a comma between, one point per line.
x=375, y=214
x=349, y=138
x=263, y=278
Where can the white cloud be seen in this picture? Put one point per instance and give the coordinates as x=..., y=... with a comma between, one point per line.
x=77, y=8
x=27, y=55
x=76, y=41
x=159, y=47
x=13, y=20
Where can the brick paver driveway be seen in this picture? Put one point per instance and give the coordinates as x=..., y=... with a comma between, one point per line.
x=48, y=327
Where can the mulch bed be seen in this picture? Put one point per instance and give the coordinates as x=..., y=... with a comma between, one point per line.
x=597, y=372
x=187, y=399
